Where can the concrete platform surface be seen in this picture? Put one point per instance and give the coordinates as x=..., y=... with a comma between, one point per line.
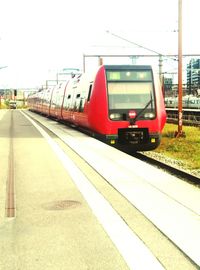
x=54, y=228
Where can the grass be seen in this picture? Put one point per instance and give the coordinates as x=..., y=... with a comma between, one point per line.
x=186, y=149
x=3, y=106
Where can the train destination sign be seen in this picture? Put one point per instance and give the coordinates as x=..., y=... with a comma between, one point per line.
x=127, y=75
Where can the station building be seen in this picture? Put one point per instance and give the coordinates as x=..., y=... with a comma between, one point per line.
x=193, y=76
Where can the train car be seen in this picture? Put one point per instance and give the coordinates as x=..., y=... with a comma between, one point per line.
x=46, y=101
x=122, y=105
x=188, y=102
x=56, y=101
x=34, y=101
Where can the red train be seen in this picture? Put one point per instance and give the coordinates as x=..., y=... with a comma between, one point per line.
x=121, y=105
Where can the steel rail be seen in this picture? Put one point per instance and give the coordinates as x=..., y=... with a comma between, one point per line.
x=183, y=175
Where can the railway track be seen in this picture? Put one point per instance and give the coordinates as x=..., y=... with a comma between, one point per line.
x=185, y=122
x=190, y=117
x=180, y=173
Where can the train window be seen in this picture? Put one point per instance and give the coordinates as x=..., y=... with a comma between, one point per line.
x=78, y=96
x=128, y=95
x=89, y=93
x=69, y=96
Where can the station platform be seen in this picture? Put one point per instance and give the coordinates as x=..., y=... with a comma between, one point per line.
x=53, y=227
x=80, y=204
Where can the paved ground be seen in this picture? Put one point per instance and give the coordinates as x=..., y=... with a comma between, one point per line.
x=54, y=228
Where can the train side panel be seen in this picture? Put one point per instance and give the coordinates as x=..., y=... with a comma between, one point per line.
x=76, y=104
x=47, y=101
x=98, y=104
x=56, y=101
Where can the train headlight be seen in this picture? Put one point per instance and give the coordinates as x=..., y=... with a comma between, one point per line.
x=115, y=116
x=149, y=115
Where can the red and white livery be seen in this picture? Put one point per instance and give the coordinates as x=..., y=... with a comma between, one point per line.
x=121, y=105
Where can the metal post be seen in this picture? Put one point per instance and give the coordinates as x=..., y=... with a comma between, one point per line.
x=100, y=61
x=180, y=133
x=160, y=68
x=83, y=63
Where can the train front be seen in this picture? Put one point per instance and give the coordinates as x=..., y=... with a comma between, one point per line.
x=136, y=111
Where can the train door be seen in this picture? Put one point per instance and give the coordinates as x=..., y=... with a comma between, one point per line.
x=67, y=102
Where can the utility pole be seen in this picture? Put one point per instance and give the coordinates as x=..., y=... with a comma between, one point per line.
x=180, y=132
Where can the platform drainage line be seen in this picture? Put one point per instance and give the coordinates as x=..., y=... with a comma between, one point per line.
x=10, y=201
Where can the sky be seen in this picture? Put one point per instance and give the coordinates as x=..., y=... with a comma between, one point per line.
x=41, y=37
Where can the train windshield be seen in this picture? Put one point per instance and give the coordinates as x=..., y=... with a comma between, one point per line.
x=130, y=89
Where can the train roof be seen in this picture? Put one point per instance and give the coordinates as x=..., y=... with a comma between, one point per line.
x=125, y=67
